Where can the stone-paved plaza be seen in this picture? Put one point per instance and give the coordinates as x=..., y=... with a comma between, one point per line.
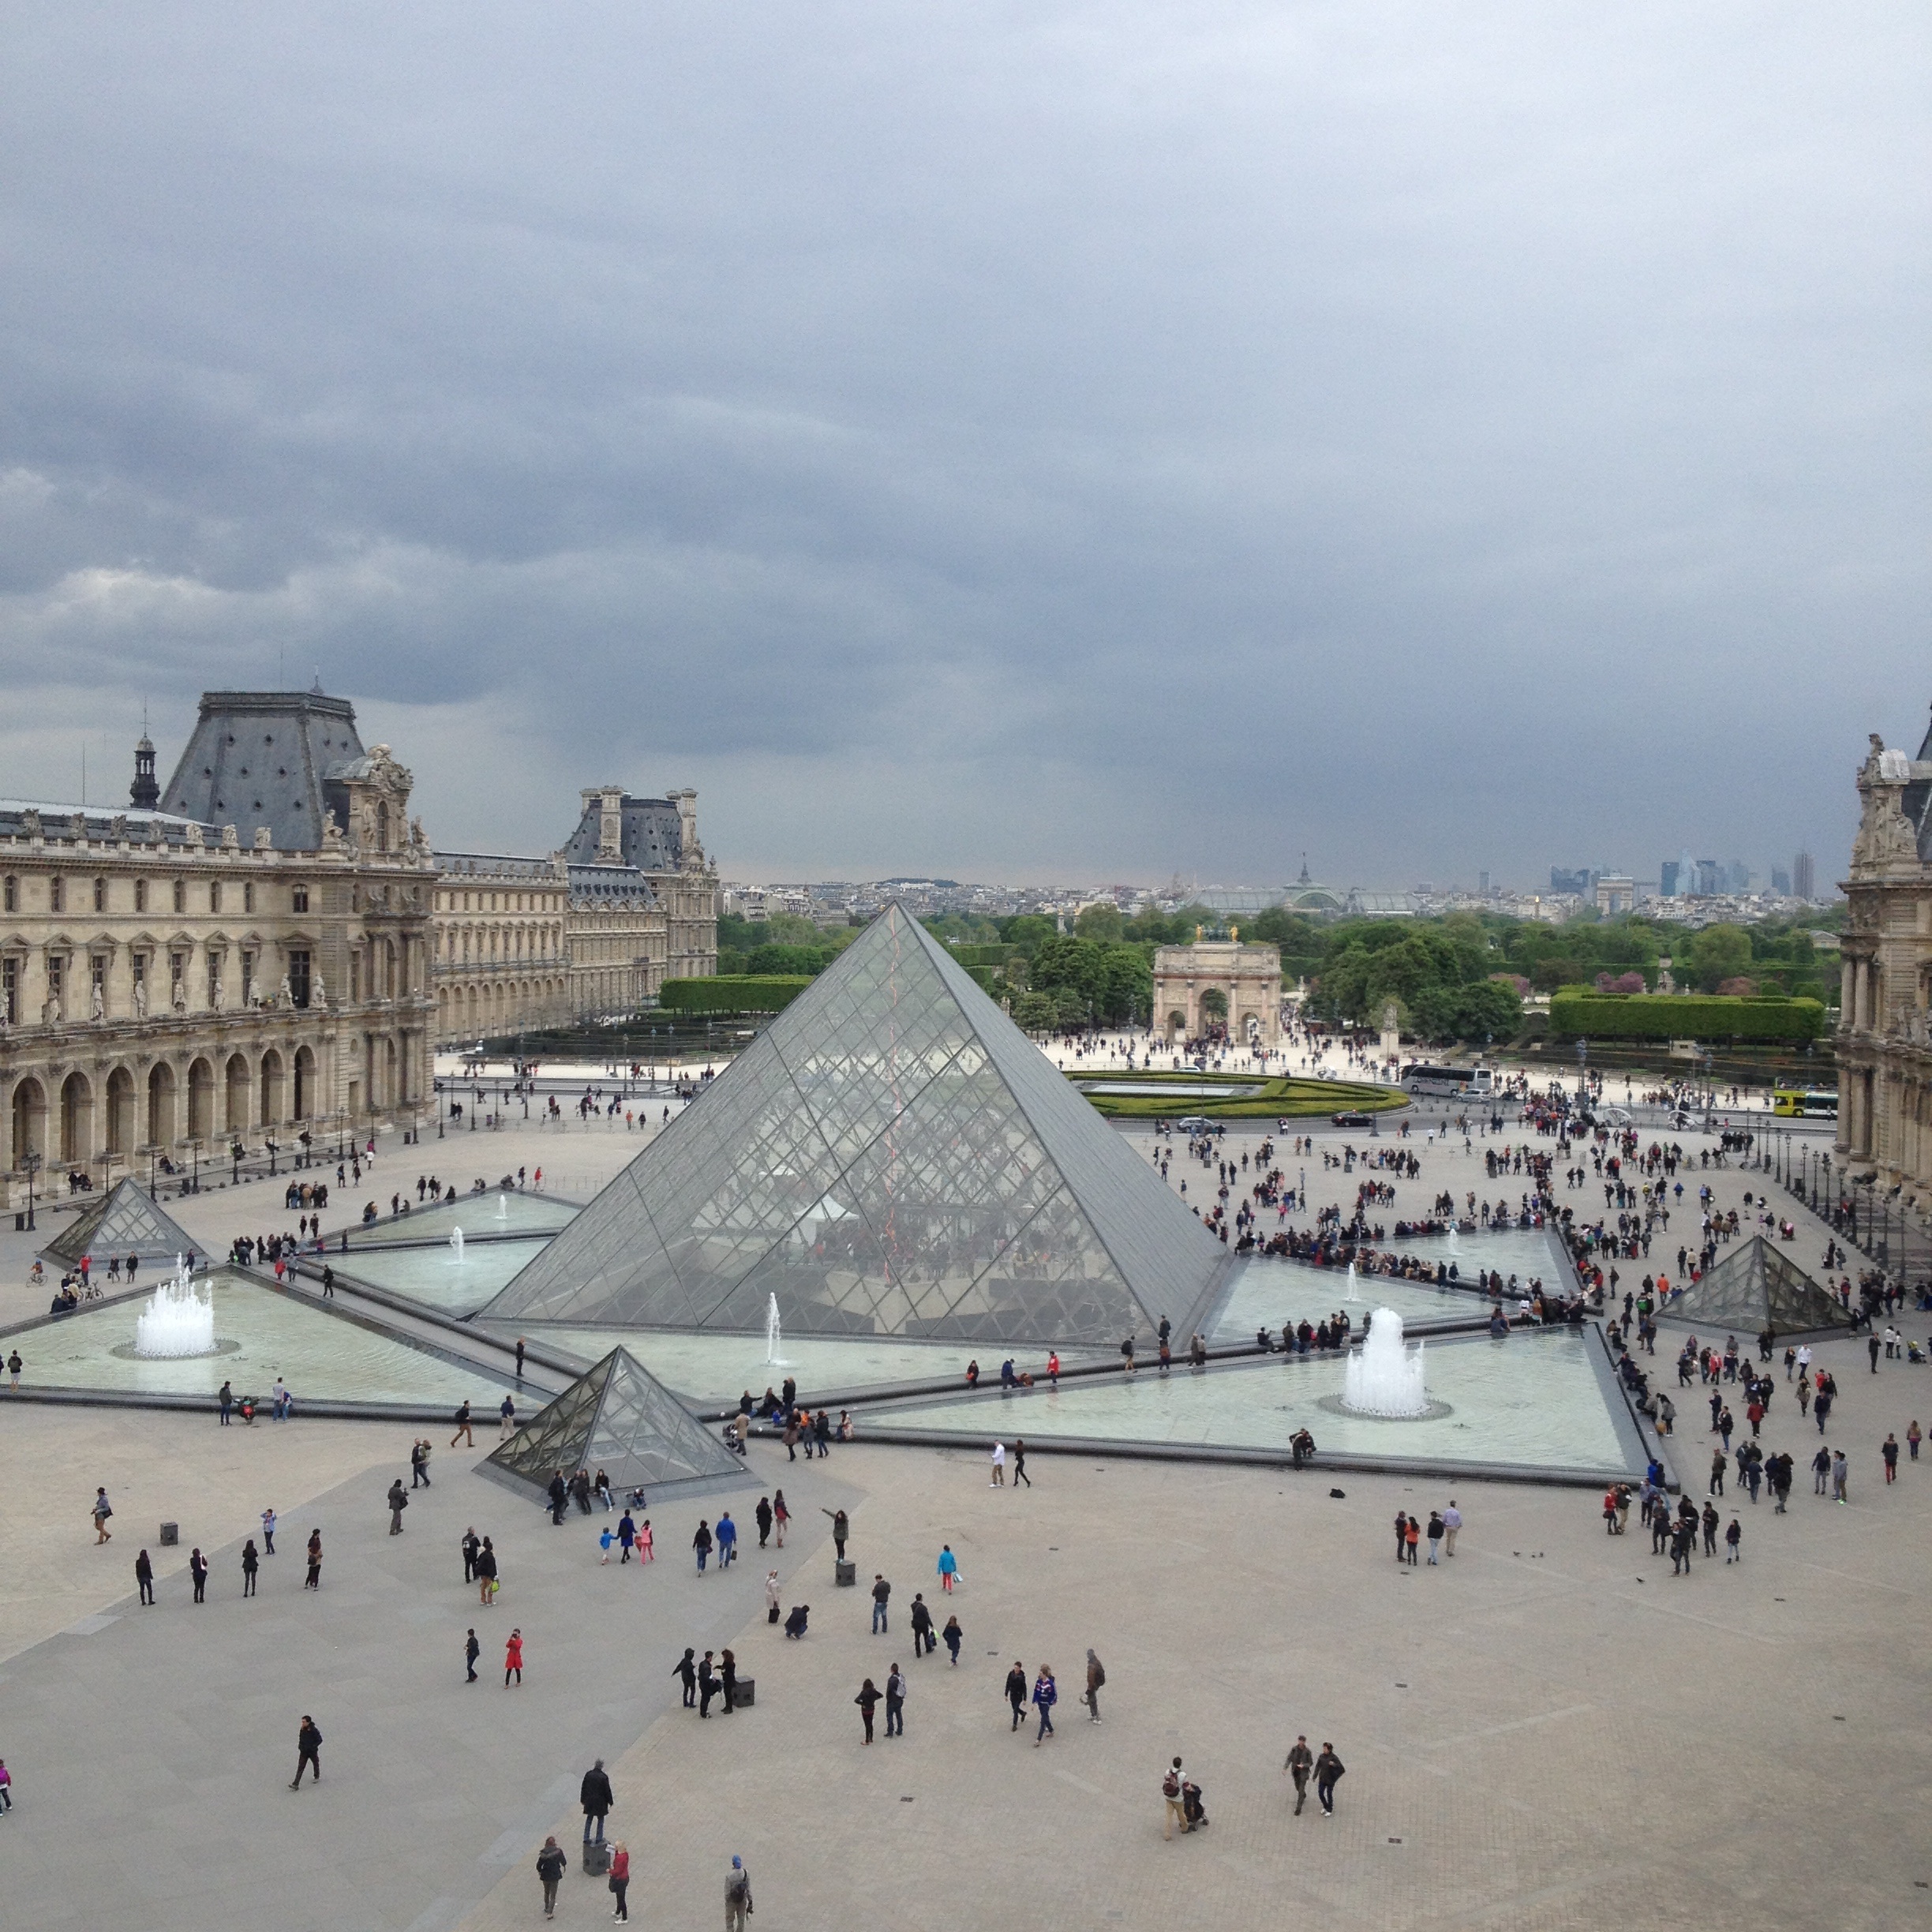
x=1548, y=1730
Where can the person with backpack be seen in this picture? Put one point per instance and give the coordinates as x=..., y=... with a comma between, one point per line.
x=1096, y=1676
x=550, y=1864
x=465, y=1428
x=738, y=1905
x=1170, y=1792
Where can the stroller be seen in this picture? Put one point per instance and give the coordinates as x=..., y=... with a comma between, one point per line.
x=1914, y=1353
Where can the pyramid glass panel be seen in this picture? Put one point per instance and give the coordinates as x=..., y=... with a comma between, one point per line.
x=619, y=1419
x=122, y=1222
x=1755, y=1287
x=893, y=1158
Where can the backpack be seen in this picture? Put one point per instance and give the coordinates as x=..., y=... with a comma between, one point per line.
x=1170, y=1785
x=1099, y=1676
x=737, y=1888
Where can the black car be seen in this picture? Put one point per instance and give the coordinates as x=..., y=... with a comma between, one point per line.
x=1351, y=1120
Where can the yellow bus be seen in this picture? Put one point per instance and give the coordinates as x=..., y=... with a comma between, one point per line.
x=1805, y=1103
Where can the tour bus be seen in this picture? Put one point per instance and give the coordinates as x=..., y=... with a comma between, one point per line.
x=1448, y=1082
x=1806, y=1103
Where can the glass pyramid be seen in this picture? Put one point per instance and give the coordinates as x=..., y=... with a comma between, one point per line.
x=123, y=1222
x=618, y=1419
x=891, y=1157
x=1755, y=1287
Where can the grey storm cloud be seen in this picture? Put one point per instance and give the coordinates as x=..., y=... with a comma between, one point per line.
x=1048, y=441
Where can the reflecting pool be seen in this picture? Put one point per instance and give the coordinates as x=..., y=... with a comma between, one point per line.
x=1532, y=1401
x=439, y=1278
x=493, y=1213
x=317, y=1353
x=1267, y=1294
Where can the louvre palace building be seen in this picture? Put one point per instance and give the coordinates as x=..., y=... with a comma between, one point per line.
x=266, y=945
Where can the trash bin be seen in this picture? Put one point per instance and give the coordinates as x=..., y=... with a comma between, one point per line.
x=597, y=1858
x=845, y=1573
x=743, y=1692
x=170, y=1535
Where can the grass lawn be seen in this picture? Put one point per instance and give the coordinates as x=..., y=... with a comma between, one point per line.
x=1279, y=1098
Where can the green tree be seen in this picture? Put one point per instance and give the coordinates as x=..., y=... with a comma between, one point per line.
x=1035, y=1012
x=1126, y=986
x=1065, y=962
x=1100, y=922
x=1027, y=931
x=1719, y=952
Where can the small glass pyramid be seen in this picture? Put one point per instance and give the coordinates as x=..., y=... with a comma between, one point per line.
x=1755, y=1287
x=893, y=1157
x=123, y=1221
x=619, y=1419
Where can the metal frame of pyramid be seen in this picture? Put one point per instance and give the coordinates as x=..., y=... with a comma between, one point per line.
x=1754, y=1286
x=123, y=1221
x=620, y=1418
x=891, y=1157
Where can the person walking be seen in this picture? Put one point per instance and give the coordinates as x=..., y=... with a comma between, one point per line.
x=1734, y=1538
x=486, y=1574
x=1717, y=1467
x=920, y=1618
x=726, y=1540
x=1046, y=1695
x=737, y=1895
x=1888, y=1450
x=198, y=1570
x=1840, y=1475
x=251, y=1562
x=895, y=1702
x=881, y=1593
x=1328, y=1770
x=594, y=1794
x=1912, y=1438
x=1452, y=1521
x=1019, y=1466
x=472, y=1651
x=620, y=1878
x=867, y=1700
x=1299, y=1763
x=313, y=1581
x=102, y=1511
x=513, y=1658
x=954, y=1636
x=763, y=1514
x=307, y=1751
x=466, y=1429
x=550, y=1864
x=999, y=1466
x=7, y=1788
x=1821, y=1469
x=143, y=1576
x=398, y=1502
x=1096, y=1676
x=949, y=1568
x=1176, y=1811
x=1017, y=1695
x=780, y=1516
x=701, y=1543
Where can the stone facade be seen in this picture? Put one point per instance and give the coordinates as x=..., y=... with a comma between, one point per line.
x=589, y=933
x=1885, y=1033
x=173, y=980
x=1247, y=977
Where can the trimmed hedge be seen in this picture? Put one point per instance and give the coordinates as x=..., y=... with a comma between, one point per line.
x=730, y=993
x=1279, y=1098
x=1683, y=1016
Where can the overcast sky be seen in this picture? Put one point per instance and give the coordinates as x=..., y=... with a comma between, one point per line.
x=1023, y=442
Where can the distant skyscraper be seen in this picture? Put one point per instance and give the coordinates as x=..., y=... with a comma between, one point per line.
x=1802, y=880
x=1780, y=882
x=1667, y=879
x=1707, y=885
x=1482, y=882
x=1737, y=876
x=1686, y=874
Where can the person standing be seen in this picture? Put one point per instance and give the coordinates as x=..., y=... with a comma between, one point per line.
x=1412, y=1541
x=1436, y=1529
x=398, y=1502
x=771, y=1596
x=685, y=1670
x=1328, y=1768
x=726, y=1540
x=1300, y=1761
x=103, y=1510
x=881, y=1593
x=737, y=1895
x=143, y=1576
x=550, y=1864
x=1912, y=1438
x=1452, y=1521
x=620, y=1878
x=707, y=1685
x=764, y=1517
x=268, y=1530
x=1096, y=1676
x=949, y=1568
x=701, y=1543
x=727, y=1679
x=895, y=1702
x=314, y=1579
x=1177, y=1810
x=1046, y=1695
x=198, y=1570
x=486, y=1574
x=999, y=1466
x=841, y=1529
x=1017, y=1695
x=472, y=1651
x=594, y=1794
x=307, y=1751
x=867, y=1701
x=1734, y=1537
x=224, y=1402
x=1840, y=1475
x=1401, y=1534
x=251, y=1562
x=471, y=1544
x=513, y=1658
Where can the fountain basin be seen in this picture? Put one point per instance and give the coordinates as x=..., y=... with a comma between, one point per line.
x=1382, y=1378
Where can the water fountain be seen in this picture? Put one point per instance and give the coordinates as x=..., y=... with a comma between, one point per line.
x=456, y=1243
x=1349, y=1294
x=1382, y=1377
x=772, y=1358
x=1453, y=1249
x=503, y=1207
x=177, y=1322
